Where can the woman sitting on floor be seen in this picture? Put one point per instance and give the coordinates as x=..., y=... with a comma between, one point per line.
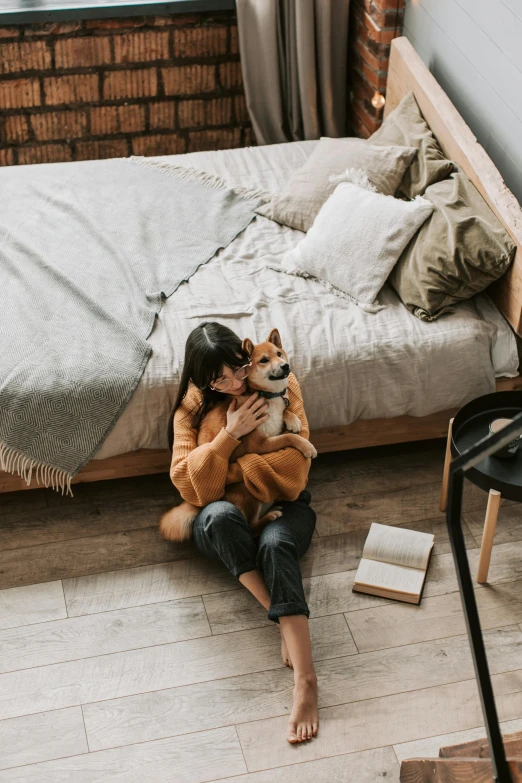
x=267, y=566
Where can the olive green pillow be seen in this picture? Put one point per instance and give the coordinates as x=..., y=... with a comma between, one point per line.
x=459, y=251
x=406, y=127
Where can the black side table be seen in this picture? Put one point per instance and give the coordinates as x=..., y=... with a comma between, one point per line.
x=501, y=478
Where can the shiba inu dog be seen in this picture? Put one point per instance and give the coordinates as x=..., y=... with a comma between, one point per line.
x=269, y=370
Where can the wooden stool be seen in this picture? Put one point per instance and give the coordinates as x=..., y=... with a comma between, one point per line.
x=501, y=478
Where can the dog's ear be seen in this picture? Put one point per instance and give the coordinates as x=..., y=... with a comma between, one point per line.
x=248, y=346
x=275, y=338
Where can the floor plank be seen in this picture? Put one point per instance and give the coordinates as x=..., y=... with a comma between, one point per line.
x=401, y=506
x=155, y=668
x=91, y=555
x=50, y=525
x=429, y=748
x=138, y=671
x=509, y=524
x=269, y=693
x=506, y=563
x=238, y=614
x=344, y=475
x=326, y=594
x=506, y=566
x=330, y=639
x=436, y=617
x=31, y=604
x=398, y=670
x=177, y=711
x=131, y=655
x=137, y=487
x=382, y=721
x=24, y=500
x=342, y=552
x=131, y=587
x=329, y=554
x=193, y=758
x=100, y=634
x=438, y=527
x=333, y=554
x=41, y=737
x=146, y=585
x=369, y=766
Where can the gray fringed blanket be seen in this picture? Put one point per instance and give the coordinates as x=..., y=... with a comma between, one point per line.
x=87, y=252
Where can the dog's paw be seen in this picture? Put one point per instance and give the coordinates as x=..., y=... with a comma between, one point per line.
x=292, y=422
x=310, y=452
x=275, y=513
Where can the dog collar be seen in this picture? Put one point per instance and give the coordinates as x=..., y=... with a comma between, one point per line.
x=272, y=395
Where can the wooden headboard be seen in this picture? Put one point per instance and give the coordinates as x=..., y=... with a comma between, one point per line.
x=407, y=72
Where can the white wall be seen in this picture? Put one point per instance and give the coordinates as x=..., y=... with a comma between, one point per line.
x=474, y=50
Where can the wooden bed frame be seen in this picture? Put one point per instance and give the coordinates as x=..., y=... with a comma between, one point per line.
x=407, y=72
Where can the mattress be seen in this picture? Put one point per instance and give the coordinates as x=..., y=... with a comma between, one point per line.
x=350, y=364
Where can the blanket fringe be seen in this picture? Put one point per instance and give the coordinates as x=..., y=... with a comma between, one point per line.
x=202, y=177
x=14, y=461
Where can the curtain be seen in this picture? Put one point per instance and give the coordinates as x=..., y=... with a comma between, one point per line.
x=294, y=62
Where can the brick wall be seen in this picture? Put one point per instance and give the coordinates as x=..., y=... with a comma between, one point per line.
x=373, y=26
x=154, y=85
x=106, y=88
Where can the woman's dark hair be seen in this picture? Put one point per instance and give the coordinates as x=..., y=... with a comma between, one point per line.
x=210, y=347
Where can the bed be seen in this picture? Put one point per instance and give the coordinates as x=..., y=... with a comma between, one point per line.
x=367, y=379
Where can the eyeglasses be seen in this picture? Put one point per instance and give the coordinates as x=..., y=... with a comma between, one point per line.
x=239, y=375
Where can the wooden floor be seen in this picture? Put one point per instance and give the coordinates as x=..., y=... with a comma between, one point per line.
x=124, y=658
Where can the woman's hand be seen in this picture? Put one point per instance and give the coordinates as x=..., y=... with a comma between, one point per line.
x=241, y=421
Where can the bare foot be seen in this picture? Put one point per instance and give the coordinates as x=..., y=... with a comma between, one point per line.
x=304, y=719
x=285, y=654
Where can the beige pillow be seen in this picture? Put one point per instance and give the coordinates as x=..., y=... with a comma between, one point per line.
x=309, y=187
x=406, y=126
x=457, y=253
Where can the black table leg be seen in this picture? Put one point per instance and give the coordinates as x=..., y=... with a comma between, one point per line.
x=453, y=517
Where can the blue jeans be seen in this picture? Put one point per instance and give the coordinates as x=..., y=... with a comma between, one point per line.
x=221, y=532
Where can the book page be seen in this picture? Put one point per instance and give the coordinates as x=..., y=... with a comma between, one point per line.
x=398, y=545
x=389, y=577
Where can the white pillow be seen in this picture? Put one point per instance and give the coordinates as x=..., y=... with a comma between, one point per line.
x=356, y=240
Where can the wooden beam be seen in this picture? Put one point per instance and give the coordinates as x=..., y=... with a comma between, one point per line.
x=382, y=432
x=135, y=463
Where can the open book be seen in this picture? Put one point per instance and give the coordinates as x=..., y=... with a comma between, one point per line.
x=394, y=563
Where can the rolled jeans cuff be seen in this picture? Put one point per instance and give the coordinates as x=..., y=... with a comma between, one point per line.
x=284, y=610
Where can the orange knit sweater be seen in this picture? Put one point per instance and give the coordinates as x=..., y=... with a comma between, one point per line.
x=201, y=472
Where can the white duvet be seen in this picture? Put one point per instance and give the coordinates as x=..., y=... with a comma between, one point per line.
x=350, y=364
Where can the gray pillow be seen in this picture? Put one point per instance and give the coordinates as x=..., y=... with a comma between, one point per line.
x=309, y=187
x=406, y=126
x=457, y=253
